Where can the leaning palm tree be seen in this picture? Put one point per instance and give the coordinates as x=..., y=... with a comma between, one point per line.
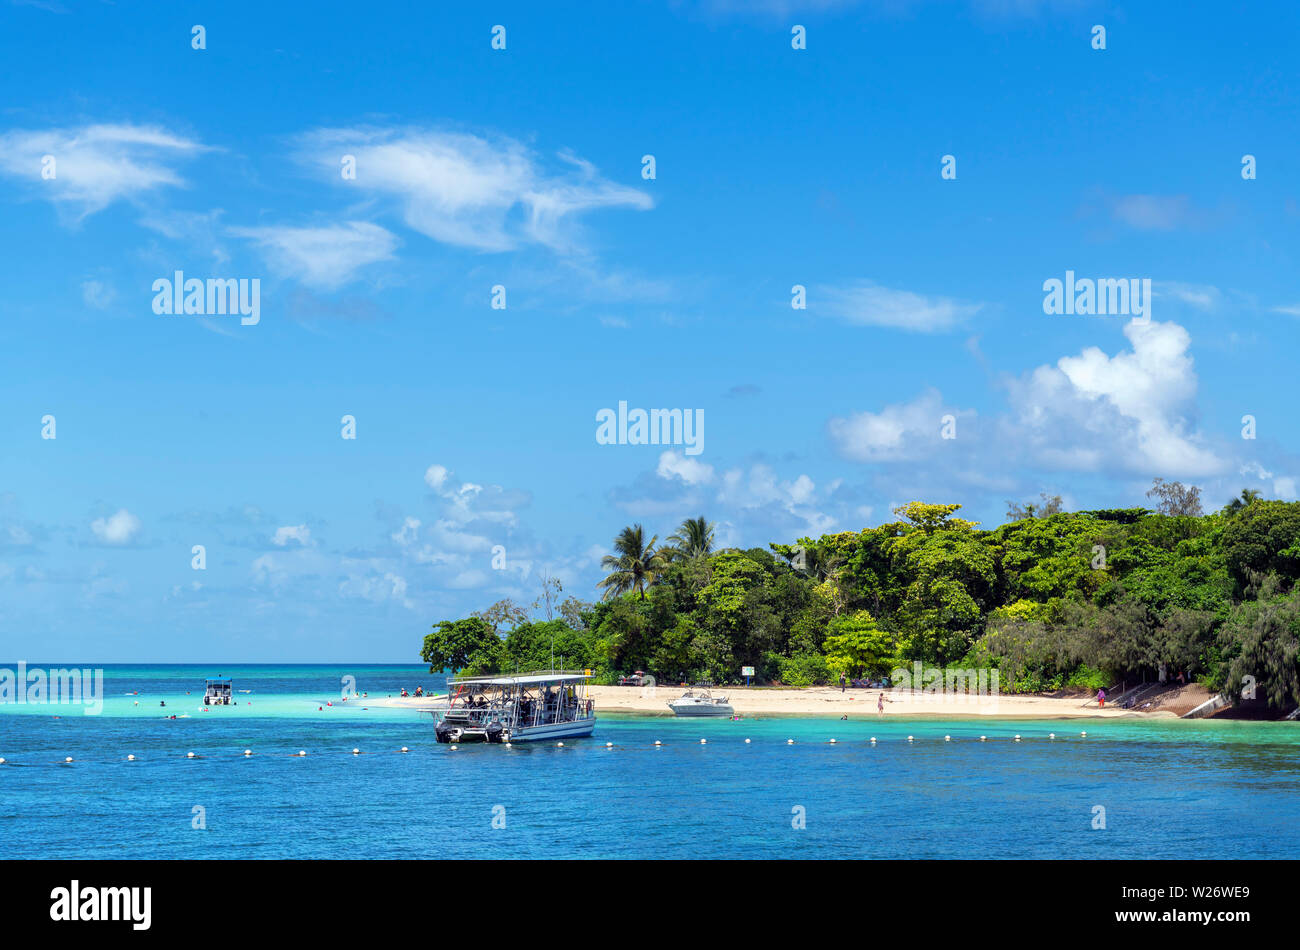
x=636, y=566
x=694, y=539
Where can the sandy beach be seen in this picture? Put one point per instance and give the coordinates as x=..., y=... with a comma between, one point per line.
x=829, y=701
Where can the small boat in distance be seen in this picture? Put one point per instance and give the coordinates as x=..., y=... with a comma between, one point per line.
x=516, y=708
x=216, y=693
x=698, y=701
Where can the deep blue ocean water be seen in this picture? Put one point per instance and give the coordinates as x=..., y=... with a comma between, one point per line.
x=1170, y=788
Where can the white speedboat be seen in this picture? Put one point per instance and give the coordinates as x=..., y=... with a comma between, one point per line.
x=698, y=701
x=217, y=692
x=516, y=708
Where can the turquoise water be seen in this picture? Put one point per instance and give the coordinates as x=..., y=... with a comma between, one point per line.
x=1169, y=788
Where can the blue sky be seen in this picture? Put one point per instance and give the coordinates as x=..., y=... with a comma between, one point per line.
x=522, y=167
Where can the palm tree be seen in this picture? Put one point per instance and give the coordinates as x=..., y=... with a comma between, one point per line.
x=636, y=566
x=1248, y=495
x=694, y=539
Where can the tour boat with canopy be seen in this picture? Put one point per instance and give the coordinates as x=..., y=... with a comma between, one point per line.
x=518, y=708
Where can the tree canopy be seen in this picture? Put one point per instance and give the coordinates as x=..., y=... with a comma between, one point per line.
x=1051, y=599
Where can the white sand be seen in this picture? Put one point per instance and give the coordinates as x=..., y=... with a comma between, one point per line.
x=829, y=701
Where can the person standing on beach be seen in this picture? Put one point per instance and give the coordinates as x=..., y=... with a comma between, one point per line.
x=1101, y=698
x=880, y=705
x=841, y=682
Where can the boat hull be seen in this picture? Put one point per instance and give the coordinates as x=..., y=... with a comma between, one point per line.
x=701, y=711
x=457, y=733
x=555, y=730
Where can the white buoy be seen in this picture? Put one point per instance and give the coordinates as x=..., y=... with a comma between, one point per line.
x=300, y=752
x=509, y=746
x=403, y=748
x=1083, y=734
x=704, y=742
x=189, y=755
x=2, y=761
x=129, y=758
x=657, y=742
x=873, y=740
x=1017, y=738
x=609, y=745
x=1051, y=735
x=909, y=738
x=746, y=742
x=68, y=759
x=454, y=748
x=947, y=738
x=982, y=738
x=789, y=742
x=559, y=745
x=248, y=752
x=832, y=742
x=356, y=751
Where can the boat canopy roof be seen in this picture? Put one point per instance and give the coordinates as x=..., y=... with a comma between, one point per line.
x=527, y=679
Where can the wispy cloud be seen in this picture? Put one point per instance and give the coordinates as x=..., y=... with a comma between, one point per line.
x=868, y=304
x=95, y=165
x=466, y=190
x=322, y=257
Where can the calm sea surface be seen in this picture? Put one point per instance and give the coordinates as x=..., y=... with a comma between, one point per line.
x=1168, y=788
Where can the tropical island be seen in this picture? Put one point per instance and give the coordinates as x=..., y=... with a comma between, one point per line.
x=1052, y=600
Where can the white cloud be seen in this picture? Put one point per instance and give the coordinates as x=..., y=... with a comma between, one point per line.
x=898, y=432
x=118, y=528
x=323, y=257
x=436, y=476
x=760, y=488
x=466, y=190
x=1133, y=410
x=376, y=588
x=300, y=533
x=691, y=471
x=96, y=165
x=1254, y=468
x=408, y=532
x=868, y=304
x=468, y=502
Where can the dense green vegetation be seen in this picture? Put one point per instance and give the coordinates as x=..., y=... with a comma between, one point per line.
x=1051, y=599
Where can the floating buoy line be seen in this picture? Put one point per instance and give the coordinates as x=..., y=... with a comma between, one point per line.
x=872, y=742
